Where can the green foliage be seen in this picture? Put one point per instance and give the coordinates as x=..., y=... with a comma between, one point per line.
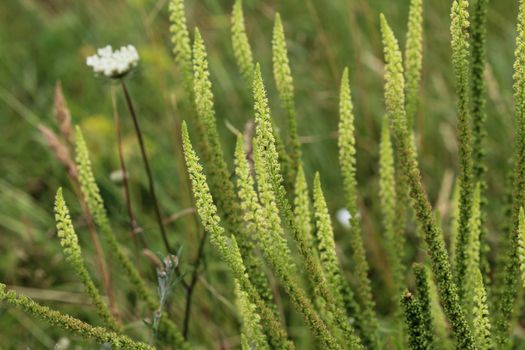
x=69, y=242
x=288, y=273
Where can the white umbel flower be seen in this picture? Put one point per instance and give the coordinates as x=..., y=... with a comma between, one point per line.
x=114, y=64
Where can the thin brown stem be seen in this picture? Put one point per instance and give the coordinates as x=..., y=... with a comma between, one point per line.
x=135, y=229
x=146, y=166
x=190, y=288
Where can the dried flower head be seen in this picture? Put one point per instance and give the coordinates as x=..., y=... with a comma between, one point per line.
x=114, y=64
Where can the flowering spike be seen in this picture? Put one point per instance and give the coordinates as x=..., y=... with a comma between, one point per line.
x=460, y=58
x=227, y=247
x=284, y=81
x=415, y=322
x=342, y=293
x=509, y=286
x=395, y=105
x=70, y=324
x=180, y=38
x=251, y=321
x=303, y=212
x=413, y=58
x=69, y=243
x=454, y=224
x=387, y=192
x=95, y=204
x=477, y=86
x=241, y=45
x=249, y=205
x=473, y=245
x=423, y=292
x=521, y=245
x=480, y=314
x=347, y=162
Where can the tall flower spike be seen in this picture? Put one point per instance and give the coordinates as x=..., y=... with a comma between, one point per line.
x=413, y=58
x=460, y=59
x=477, y=86
x=249, y=205
x=521, y=245
x=284, y=82
x=423, y=293
x=347, y=161
x=95, y=204
x=387, y=192
x=180, y=38
x=395, y=105
x=474, y=244
x=219, y=175
x=227, y=247
x=415, y=322
x=69, y=242
x=70, y=324
x=506, y=302
x=241, y=45
x=342, y=293
x=454, y=223
x=251, y=327
x=274, y=199
x=270, y=235
x=480, y=314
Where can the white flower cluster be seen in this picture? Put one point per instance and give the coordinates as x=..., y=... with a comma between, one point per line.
x=114, y=64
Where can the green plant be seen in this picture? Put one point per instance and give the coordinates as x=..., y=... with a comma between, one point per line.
x=274, y=233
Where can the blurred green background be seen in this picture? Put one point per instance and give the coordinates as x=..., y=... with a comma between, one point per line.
x=42, y=41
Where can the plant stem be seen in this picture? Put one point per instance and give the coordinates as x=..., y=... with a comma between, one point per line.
x=135, y=229
x=191, y=286
x=146, y=166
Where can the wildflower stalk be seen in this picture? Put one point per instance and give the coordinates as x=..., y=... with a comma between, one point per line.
x=395, y=102
x=241, y=45
x=415, y=322
x=273, y=244
x=333, y=278
x=218, y=172
x=388, y=196
x=151, y=183
x=347, y=161
x=413, y=58
x=134, y=228
x=480, y=314
x=180, y=38
x=274, y=200
x=460, y=58
x=95, y=205
x=227, y=246
x=250, y=206
x=251, y=327
x=423, y=293
x=284, y=82
x=506, y=301
x=71, y=247
x=70, y=324
x=478, y=112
